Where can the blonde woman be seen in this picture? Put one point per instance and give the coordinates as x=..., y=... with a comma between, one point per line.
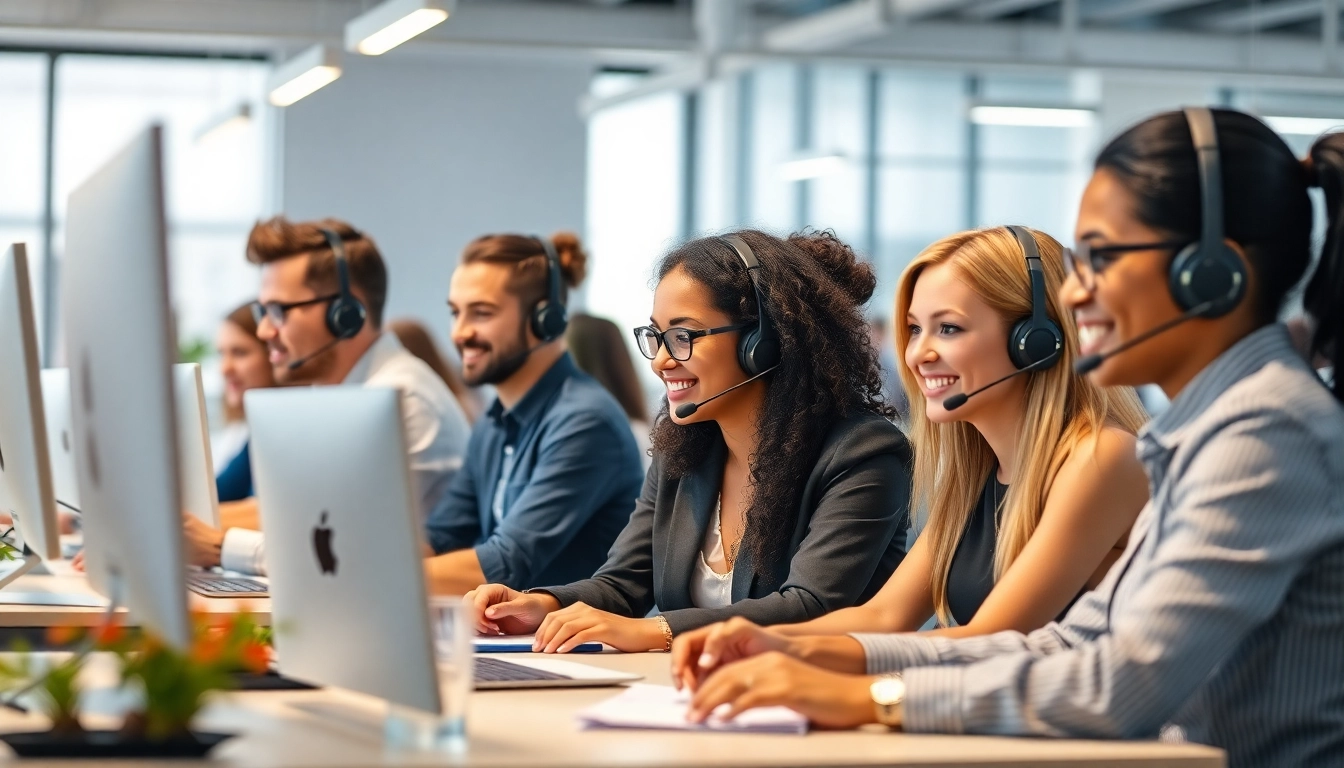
x=1029, y=488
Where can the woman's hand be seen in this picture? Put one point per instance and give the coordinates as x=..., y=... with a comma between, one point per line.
x=828, y=699
x=581, y=623
x=498, y=610
x=698, y=653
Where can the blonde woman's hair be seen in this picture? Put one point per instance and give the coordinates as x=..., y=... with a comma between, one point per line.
x=953, y=461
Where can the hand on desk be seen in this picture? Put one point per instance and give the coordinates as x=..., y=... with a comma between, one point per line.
x=699, y=653
x=828, y=699
x=201, y=543
x=496, y=609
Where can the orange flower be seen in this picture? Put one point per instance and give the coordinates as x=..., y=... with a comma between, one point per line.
x=256, y=657
x=207, y=650
x=109, y=634
x=62, y=635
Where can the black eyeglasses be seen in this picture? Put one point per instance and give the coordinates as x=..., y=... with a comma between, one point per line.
x=677, y=340
x=275, y=311
x=1086, y=262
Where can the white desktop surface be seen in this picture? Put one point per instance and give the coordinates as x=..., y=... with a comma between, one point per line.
x=538, y=728
x=63, y=580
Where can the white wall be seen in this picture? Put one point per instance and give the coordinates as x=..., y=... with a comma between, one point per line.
x=426, y=153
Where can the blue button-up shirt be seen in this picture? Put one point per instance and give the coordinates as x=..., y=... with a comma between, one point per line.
x=547, y=485
x=1224, y=617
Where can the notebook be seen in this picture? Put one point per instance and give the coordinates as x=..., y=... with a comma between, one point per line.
x=662, y=707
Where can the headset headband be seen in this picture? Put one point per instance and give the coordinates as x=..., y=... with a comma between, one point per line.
x=337, y=245
x=1205, y=136
x=752, y=264
x=1035, y=272
x=552, y=270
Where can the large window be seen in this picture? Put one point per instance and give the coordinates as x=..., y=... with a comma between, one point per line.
x=216, y=182
x=23, y=126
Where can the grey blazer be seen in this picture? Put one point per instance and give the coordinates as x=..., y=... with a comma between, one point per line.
x=848, y=537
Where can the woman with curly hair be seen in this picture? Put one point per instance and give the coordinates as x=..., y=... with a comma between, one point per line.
x=779, y=489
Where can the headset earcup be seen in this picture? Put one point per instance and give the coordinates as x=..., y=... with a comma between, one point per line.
x=345, y=317
x=1029, y=343
x=549, y=322
x=755, y=354
x=1197, y=278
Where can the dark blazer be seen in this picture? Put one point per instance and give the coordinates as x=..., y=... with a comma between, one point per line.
x=848, y=538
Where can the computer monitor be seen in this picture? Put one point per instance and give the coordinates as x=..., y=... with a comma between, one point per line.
x=121, y=346
x=60, y=440
x=200, y=495
x=195, y=461
x=343, y=544
x=25, y=465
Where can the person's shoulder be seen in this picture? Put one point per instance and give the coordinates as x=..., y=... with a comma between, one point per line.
x=582, y=394
x=861, y=436
x=1108, y=447
x=409, y=374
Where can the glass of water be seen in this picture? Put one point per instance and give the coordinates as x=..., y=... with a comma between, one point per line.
x=445, y=732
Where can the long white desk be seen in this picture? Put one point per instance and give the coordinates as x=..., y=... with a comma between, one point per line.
x=537, y=728
x=64, y=582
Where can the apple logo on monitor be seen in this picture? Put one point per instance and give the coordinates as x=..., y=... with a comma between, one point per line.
x=322, y=536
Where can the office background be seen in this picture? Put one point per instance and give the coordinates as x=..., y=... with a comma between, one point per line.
x=638, y=124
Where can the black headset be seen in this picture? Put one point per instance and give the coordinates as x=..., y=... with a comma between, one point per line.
x=549, y=318
x=757, y=347
x=1207, y=271
x=345, y=313
x=1035, y=339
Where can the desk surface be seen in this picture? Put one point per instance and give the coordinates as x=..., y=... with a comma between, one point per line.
x=64, y=582
x=537, y=728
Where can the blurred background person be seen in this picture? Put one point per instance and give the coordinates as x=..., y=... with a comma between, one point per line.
x=414, y=336
x=243, y=365
x=598, y=347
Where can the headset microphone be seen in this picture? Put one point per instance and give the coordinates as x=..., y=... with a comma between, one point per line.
x=956, y=401
x=1092, y=362
x=687, y=410
x=302, y=361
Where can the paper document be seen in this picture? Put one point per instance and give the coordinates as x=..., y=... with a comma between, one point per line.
x=523, y=644
x=662, y=707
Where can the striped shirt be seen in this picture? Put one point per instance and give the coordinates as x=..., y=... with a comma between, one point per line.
x=1224, y=617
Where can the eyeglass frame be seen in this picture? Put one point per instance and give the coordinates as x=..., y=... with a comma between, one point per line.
x=691, y=336
x=262, y=310
x=1097, y=262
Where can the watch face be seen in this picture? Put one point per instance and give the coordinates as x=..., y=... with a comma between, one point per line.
x=888, y=690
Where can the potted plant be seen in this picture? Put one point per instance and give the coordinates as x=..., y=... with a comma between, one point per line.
x=173, y=685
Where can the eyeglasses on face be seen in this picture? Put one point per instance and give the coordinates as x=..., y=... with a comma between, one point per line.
x=275, y=311
x=1086, y=261
x=679, y=341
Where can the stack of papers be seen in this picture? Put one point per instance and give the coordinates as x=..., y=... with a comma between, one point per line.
x=662, y=707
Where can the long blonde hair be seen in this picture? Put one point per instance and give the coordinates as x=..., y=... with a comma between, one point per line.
x=953, y=461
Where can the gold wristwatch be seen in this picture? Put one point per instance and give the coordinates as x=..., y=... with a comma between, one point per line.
x=888, y=694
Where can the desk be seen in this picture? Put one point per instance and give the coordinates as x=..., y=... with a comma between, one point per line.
x=536, y=728
x=41, y=616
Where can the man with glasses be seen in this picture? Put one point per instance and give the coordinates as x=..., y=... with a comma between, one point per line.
x=321, y=321
x=552, y=470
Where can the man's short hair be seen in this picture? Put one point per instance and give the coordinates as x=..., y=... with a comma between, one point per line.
x=279, y=238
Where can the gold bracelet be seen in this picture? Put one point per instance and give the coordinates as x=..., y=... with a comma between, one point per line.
x=667, y=633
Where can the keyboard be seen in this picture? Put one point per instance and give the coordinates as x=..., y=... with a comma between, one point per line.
x=490, y=670
x=212, y=585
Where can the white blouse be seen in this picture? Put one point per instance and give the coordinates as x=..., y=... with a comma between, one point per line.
x=708, y=588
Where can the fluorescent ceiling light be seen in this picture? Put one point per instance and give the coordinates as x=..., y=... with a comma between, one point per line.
x=225, y=124
x=392, y=23
x=303, y=74
x=812, y=166
x=1303, y=126
x=1038, y=117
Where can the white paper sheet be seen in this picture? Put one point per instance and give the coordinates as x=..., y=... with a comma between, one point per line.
x=662, y=707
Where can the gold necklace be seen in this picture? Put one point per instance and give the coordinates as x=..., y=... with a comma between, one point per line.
x=729, y=550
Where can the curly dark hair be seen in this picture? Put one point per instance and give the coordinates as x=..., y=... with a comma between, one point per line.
x=815, y=288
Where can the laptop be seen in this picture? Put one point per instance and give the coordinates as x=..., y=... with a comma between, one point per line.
x=344, y=551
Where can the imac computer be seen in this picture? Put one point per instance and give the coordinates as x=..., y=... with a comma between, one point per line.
x=196, y=465
x=25, y=467
x=121, y=382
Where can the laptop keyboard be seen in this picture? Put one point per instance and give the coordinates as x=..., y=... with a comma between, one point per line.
x=489, y=670
x=223, y=586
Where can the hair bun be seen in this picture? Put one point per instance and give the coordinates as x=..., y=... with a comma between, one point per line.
x=573, y=259
x=855, y=277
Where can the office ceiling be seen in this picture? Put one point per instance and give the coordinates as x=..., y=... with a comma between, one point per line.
x=1293, y=40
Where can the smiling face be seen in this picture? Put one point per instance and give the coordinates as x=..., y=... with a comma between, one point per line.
x=680, y=301
x=1130, y=296
x=958, y=343
x=489, y=328
x=304, y=331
